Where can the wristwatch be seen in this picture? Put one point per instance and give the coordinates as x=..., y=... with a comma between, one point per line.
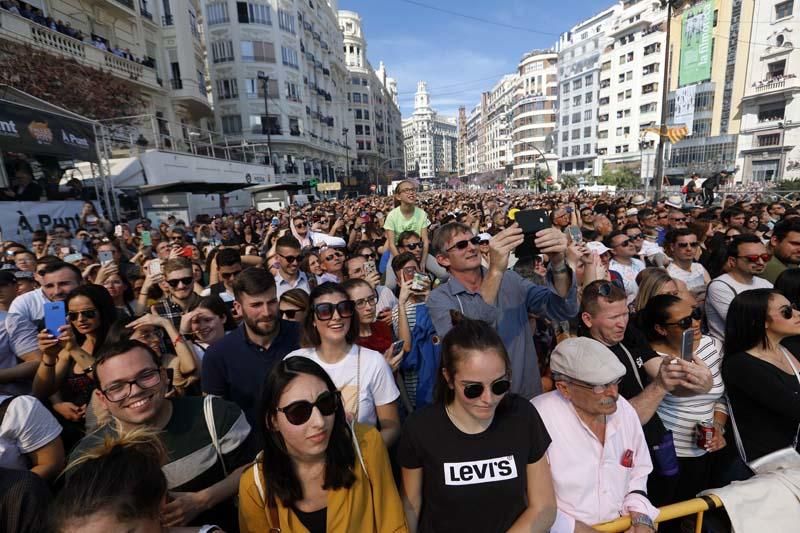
x=643, y=520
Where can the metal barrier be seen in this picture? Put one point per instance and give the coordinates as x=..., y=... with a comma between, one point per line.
x=696, y=506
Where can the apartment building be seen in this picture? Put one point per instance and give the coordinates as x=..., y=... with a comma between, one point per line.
x=769, y=139
x=294, y=53
x=372, y=100
x=631, y=82
x=579, y=57
x=431, y=140
x=475, y=142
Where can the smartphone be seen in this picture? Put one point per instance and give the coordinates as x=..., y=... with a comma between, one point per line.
x=369, y=267
x=418, y=283
x=186, y=251
x=65, y=250
x=687, y=345
x=72, y=258
x=146, y=239
x=575, y=234
x=276, y=221
x=118, y=230
x=54, y=317
x=531, y=221
x=105, y=257
x=397, y=347
x=154, y=267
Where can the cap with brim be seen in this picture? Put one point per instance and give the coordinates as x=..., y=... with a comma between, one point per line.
x=7, y=277
x=484, y=236
x=586, y=360
x=638, y=199
x=23, y=275
x=632, y=212
x=598, y=247
x=675, y=202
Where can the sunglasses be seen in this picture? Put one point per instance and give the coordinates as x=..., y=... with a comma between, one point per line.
x=498, y=388
x=175, y=282
x=291, y=258
x=298, y=413
x=86, y=313
x=462, y=245
x=604, y=289
x=324, y=311
x=290, y=313
x=626, y=242
x=335, y=254
x=687, y=244
x=754, y=258
x=787, y=311
x=678, y=219
x=413, y=245
x=369, y=257
x=300, y=225
x=686, y=322
x=227, y=275
x=636, y=237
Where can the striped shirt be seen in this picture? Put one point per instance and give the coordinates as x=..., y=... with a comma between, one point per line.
x=681, y=414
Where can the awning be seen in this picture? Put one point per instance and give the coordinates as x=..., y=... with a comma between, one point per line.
x=275, y=187
x=194, y=187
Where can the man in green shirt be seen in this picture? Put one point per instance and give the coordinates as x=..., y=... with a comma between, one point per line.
x=785, y=247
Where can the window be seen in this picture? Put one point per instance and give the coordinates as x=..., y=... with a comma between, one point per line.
x=231, y=124
x=259, y=124
x=254, y=88
x=587, y=98
x=294, y=126
x=621, y=78
x=292, y=91
x=356, y=98
x=258, y=51
x=577, y=84
x=227, y=89
x=650, y=69
x=777, y=68
x=359, y=129
x=366, y=114
x=603, y=134
x=222, y=51
x=565, y=136
x=587, y=131
x=771, y=112
x=587, y=148
x=576, y=150
x=620, y=96
x=588, y=80
x=628, y=94
x=648, y=108
x=773, y=139
x=253, y=13
x=367, y=130
x=784, y=9
x=565, y=120
x=649, y=88
x=576, y=117
x=652, y=48
x=622, y=59
x=364, y=98
x=358, y=114
x=577, y=100
x=565, y=152
x=218, y=14
x=565, y=88
x=629, y=75
x=289, y=56
x=587, y=115
x=576, y=133
x=286, y=21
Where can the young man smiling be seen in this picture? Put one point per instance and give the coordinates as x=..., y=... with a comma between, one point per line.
x=181, y=298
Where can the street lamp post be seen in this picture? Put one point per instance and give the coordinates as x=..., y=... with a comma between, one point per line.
x=347, y=151
x=265, y=79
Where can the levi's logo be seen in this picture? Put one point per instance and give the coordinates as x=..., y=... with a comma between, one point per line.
x=486, y=471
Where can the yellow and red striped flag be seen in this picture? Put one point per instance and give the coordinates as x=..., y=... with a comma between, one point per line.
x=674, y=134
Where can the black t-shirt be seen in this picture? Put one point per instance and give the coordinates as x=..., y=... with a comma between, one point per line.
x=473, y=482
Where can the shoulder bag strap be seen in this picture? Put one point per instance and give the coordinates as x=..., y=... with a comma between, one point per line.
x=736, y=436
x=208, y=411
x=633, y=365
x=797, y=375
x=735, y=293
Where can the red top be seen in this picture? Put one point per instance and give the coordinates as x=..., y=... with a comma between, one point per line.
x=380, y=340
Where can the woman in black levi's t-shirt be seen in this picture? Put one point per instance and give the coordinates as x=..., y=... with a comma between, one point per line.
x=474, y=460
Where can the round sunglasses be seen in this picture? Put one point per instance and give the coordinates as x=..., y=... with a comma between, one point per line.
x=498, y=388
x=298, y=413
x=324, y=311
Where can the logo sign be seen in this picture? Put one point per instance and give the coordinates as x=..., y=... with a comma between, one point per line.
x=248, y=178
x=74, y=140
x=8, y=128
x=476, y=472
x=40, y=132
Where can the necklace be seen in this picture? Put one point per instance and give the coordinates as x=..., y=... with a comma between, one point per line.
x=460, y=427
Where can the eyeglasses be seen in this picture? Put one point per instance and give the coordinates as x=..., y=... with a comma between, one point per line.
x=754, y=258
x=462, y=245
x=331, y=257
x=687, y=244
x=363, y=302
x=787, y=311
x=121, y=390
x=597, y=389
x=636, y=237
x=298, y=413
x=498, y=388
x=412, y=245
x=290, y=313
x=686, y=322
x=324, y=311
x=682, y=219
x=369, y=257
x=226, y=275
x=186, y=281
x=626, y=242
x=86, y=313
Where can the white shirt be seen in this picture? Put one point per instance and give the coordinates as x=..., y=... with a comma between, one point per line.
x=21, y=322
x=719, y=295
x=375, y=387
x=27, y=426
x=386, y=299
x=300, y=283
x=8, y=359
x=695, y=279
x=628, y=273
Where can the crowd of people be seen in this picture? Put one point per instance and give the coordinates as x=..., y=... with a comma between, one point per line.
x=417, y=362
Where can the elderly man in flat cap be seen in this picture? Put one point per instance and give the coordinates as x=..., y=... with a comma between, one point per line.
x=598, y=456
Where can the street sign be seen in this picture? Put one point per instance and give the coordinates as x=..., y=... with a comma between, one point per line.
x=549, y=180
x=328, y=187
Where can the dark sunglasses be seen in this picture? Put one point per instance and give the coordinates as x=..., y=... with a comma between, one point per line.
x=324, y=311
x=498, y=388
x=87, y=313
x=291, y=258
x=462, y=245
x=412, y=245
x=298, y=413
x=290, y=313
x=686, y=322
x=175, y=282
x=369, y=257
x=228, y=275
x=754, y=258
x=300, y=225
x=331, y=257
x=678, y=219
x=787, y=311
x=605, y=288
x=687, y=244
x=626, y=242
x=636, y=237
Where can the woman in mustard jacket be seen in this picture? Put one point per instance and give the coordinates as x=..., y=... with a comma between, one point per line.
x=315, y=473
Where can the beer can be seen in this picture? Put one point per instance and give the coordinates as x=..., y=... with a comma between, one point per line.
x=705, y=433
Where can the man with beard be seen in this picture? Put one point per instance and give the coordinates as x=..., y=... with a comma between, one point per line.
x=181, y=298
x=785, y=247
x=236, y=366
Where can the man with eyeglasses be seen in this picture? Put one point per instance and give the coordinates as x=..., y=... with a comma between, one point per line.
x=132, y=385
x=501, y=297
x=180, y=297
x=683, y=246
x=236, y=366
x=587, y=217
x=331, y=260
x=289, y=275
x=746, y=259
x=785, y=247
x=599, y=458
x=624, y=261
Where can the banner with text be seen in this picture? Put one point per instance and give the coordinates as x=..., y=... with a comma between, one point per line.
x=684, y=107
x=696, y=34
x=19, y=220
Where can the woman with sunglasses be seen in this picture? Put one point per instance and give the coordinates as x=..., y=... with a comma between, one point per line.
x=788, y=284
x=372, y=333
x=761, y=376
x=474, y=460
x=363, y=376
x=315, y=473
x=65, y=374
x=293, y=305
x=664, y=321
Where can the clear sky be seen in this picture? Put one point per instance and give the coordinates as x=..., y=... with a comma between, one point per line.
x=460, y=57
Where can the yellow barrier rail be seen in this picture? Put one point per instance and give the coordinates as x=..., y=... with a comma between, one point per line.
x=696, y=506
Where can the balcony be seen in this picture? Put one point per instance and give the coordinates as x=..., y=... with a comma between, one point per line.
x=775, y=85
x=167, y=20
x=191, y=94
x=24, y=31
